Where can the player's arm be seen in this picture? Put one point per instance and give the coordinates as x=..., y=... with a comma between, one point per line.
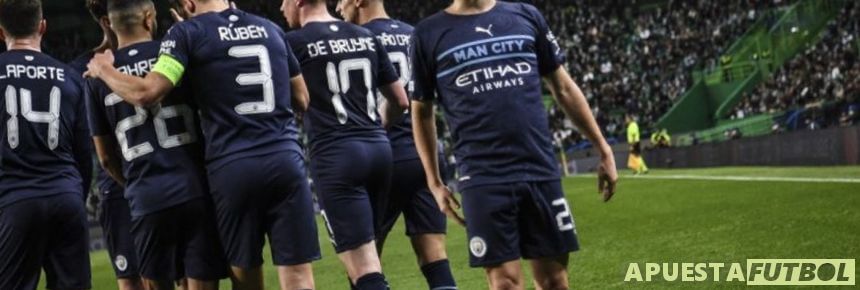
x=424, y=132
x=109, y=159
x=396, y=103
x=573, y=103
x=301, y=97
x=135, y=90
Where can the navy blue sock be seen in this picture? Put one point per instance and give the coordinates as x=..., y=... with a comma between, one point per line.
x=372, y=281
x=438, y=275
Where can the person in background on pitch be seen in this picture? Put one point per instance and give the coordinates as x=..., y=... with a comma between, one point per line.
x=634, y=161
x=409, y=195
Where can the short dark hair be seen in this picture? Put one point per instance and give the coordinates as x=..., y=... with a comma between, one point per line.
x=126, y=14
x=98, y=8
x=20, y=18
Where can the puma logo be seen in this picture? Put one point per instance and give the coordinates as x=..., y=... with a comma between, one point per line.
x=487, y=30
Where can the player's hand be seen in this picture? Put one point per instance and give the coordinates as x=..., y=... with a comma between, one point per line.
x=447, y=203
x=607, y=177
x=99, y=63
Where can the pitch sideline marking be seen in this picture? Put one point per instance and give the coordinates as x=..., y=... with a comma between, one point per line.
x=741, y=178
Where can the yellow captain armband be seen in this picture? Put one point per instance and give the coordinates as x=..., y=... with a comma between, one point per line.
x=170, y=68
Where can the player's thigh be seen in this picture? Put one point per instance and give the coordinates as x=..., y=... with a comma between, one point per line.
x=67, y=260
x=340, y=172
x=157, y=238
x=115, y=220
x=547, y=227
x=21, y=239
x=421, y=213
x=492, y=227
x=505, y=276
x=238, y=191
x=202, y=255
x=404, y=184
x=290, y=218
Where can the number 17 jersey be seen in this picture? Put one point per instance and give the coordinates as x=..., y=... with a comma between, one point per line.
x=240, y=70
x=343, y=64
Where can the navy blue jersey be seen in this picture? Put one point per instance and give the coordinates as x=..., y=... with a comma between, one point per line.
x=343, y=64
x=239, y=67
x=162, y=156
x=43, y=132
x=395, y=37
x=106, y=185
x=485, y=70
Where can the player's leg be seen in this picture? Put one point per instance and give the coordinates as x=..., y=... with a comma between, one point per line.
x=201, y=253
x=115, y=220
x=425, y=224
x=505, y=276
x=550, y=273
x=156, y=238
x=67, y=258
x=291, y=220
x=239, y=203
x=547, y=244
x=22, y=225
x=493, y=232
x=348, y=210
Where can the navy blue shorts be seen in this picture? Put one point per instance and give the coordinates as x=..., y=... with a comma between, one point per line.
x=115, y=219
x=180, y=241
x=506, y=222
x=47, y=233
x=265, y=195
x=350, y=179
x=409, y=195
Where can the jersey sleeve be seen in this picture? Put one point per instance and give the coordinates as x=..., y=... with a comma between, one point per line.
x=549, y=53
x=96, y=118
x=293, y=62
x=385, y=73
x=423, y=70
x=175, y=53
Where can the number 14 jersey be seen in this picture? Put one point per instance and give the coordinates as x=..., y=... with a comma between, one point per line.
x=343, y=64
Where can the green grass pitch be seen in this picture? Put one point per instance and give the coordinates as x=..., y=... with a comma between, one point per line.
x=656, y=220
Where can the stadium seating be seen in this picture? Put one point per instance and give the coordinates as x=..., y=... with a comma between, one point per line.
x=639, y=57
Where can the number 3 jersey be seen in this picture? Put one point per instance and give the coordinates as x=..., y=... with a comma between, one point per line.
x=486, y=69
x=239, y=70
x=43, y=127
x=161, y=149
x=343, y=64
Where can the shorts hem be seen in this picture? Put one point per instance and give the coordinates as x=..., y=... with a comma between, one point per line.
x=494, y=262
x=431, y=232
x=353, y=246
x=549, y=255
x=298, y=261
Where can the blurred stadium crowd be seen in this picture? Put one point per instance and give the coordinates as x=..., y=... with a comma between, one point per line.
x=632, y=57
x=823, y=82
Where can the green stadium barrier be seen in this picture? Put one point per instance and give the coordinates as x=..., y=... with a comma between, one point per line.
x=751, y=59
x=752, y=126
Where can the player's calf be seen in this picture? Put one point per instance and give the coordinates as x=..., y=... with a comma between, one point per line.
x=296, y=276
x=550, y=273
x=505, y=276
